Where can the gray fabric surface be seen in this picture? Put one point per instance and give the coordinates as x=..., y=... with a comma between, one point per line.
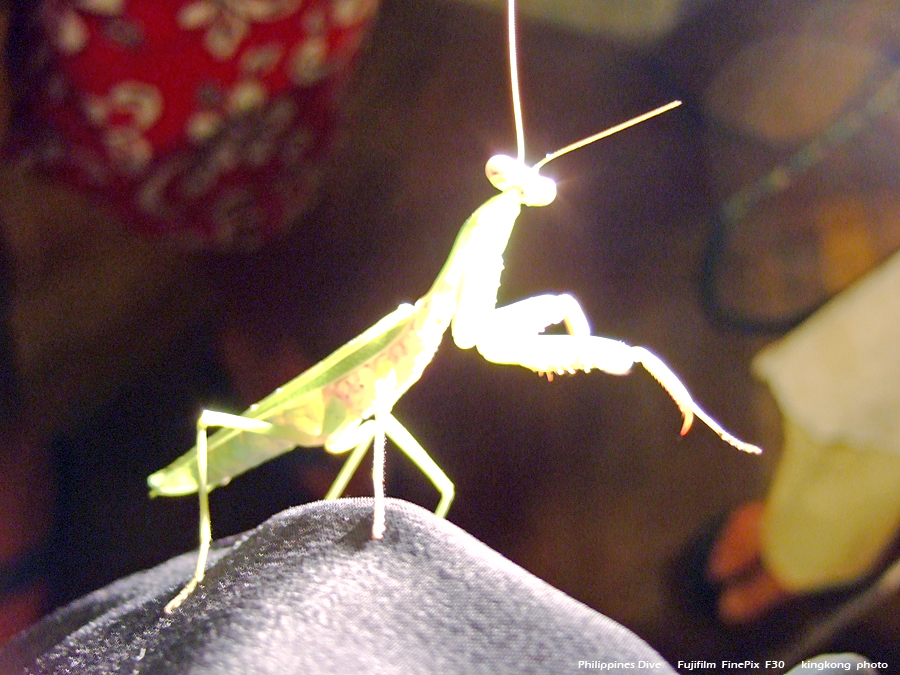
x=309, y=591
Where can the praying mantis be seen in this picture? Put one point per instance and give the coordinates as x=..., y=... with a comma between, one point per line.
x=344, y=403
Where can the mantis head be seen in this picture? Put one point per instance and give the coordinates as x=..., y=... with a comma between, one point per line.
x=506, y=173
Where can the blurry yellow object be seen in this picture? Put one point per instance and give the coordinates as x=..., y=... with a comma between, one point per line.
x=831, y=512
x=835, y=501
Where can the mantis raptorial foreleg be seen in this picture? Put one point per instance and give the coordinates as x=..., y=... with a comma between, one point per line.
x=535, y=315
x=344, y=403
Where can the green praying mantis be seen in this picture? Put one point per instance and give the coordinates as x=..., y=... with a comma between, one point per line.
x=344, y=402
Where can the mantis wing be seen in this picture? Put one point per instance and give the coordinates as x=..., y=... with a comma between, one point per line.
x=300, y=413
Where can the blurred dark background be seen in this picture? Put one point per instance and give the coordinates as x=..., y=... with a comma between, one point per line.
x=117, y=342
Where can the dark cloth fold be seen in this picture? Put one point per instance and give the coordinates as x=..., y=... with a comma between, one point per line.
x=309, y=591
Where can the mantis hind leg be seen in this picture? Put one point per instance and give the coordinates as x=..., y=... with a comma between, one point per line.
x=205, y=521
x=365, y=433
x=383, y=425
x=411, y=447
x=362, y=436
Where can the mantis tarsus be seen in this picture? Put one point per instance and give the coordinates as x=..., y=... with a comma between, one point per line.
x=344, y=402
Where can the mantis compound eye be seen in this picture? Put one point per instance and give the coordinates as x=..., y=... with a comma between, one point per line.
x=506, y=173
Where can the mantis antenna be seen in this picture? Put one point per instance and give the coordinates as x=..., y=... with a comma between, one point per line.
x=606, y=133
x=506, y=173
x=514, y=81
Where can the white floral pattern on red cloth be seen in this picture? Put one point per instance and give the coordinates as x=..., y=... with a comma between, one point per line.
x=227, y=22
x=129, y=109
x=69, y=31
x=209, y=119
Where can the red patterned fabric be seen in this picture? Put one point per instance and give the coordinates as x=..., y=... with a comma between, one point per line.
x=206, y=119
